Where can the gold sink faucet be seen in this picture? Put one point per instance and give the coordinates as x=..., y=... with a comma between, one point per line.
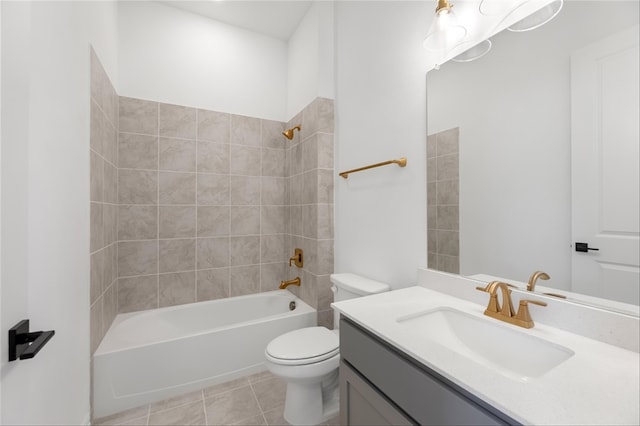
x=505, y=311
x=534, y=277
x=285, y=284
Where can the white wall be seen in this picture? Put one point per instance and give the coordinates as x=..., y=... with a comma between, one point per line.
x=513, y=109
x=173, y=56
x=310, y=71
x=45, y=200
x=381, y=114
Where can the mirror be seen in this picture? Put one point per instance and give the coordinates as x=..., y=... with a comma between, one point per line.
x=502, y=125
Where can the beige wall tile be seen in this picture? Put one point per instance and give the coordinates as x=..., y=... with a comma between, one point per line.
x=137, y=187
x=137, y=293
x=95, y=325
x=310, y=153
x=176, y=289
x=308, y=290
x=295, y=220
x=109, y=306
x=177, y=121
x=177, y=255
x=325, y=186
x=137, y=222
x=110, y=184
x=447, y=142
x=97, y=227
x=325, y=221
x=449, y=264
x=432, y=169
x=244, y=190
x=212, y=284
x=325, y=319
x=273, y=162
x=447, y=192
x=325, y=151
x=244, y=160
x=213, y=221
x=310, y=187
x=102, y=90
x=213, y=126
x=244, y=280
x=177, y=188
x=96, y=274
x=137, y=151
x=213, y=157
x=325, y=257
x=310, y=220
x=96, y=171
x=272, y=273
x=177, y=155
x=447, y=217
x=111, y=265
x=137, y=258
x=213, y=190
x=296, y=165
x=110, y=218
x=245, y=220
x=274, y=191
x=432, y=148
x=296, y=189
x=448, y=242
x=138, y=116
x=102, y=134
x=177, y=221
x=244, y=251
x=245, y=130
x=274, y=219
x=447, y=167
x=273, y=248
x=432, y=212
x=325, y=295
x=272, y=134
x=212, y=252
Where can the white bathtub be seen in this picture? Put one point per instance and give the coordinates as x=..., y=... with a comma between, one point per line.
x=153, y=355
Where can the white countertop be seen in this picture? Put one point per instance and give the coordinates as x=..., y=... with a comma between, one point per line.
x=600, y=384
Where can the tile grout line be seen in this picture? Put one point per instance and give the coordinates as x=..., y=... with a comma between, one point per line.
x=197, y=205
x=157, y=213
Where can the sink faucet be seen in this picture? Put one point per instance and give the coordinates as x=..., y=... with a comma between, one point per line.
x=534, y=277
x=505, y=312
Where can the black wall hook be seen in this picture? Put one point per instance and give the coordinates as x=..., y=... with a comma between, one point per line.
x=25, y=345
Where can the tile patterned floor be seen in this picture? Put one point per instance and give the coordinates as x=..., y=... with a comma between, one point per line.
x=254, y=400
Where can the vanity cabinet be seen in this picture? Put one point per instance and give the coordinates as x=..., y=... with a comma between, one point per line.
x=381, y=385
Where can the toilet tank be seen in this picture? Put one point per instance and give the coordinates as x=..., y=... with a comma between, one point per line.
x=349, y=286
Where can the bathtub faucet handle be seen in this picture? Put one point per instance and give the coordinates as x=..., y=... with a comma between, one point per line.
x=297, y=258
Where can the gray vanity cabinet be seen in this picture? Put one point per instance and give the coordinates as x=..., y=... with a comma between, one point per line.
x=379, y=385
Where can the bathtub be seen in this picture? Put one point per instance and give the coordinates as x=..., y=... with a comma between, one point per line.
x=152, y=355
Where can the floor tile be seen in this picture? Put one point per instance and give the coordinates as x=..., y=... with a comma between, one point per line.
x=187, y=414
x=230, y=407
x=176, y=401
x=255, y=420
x=225, y=387
x=123, y=416
x=275, y=417
x=270, y=393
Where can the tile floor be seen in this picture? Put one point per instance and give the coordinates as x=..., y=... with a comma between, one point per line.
x=254, y=400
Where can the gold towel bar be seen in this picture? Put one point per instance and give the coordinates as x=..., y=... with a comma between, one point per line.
x=400, y=162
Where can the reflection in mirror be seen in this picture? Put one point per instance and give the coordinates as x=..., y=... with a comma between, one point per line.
x=513, y=113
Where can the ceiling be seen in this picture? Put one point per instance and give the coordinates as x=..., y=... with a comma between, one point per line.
x=278, y=19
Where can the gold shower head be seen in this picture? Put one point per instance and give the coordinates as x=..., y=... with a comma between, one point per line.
x=289, y=133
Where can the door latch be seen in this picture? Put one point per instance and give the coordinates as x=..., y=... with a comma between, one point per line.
x=584, y=247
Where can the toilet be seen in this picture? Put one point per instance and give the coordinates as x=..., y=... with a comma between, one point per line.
x=308, y=359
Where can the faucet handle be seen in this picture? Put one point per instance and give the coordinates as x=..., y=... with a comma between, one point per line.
x=523, y=312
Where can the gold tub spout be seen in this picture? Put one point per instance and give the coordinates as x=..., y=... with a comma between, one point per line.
x=285, y=284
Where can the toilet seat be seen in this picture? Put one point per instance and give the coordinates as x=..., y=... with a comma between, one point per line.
x=303, y=346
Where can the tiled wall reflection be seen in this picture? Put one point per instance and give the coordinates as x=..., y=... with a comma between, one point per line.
x=104, y=202
x=443, y=242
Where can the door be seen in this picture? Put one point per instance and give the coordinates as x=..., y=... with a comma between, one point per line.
x=605, y=157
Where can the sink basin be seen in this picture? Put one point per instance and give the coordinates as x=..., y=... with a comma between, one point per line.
x=500, y=347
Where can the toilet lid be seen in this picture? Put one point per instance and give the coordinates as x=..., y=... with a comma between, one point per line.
x=305, y=345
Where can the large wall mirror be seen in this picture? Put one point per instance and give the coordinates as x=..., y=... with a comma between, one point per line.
x=504, y=195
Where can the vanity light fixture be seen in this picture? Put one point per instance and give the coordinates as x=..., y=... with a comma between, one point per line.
x=445, y=32
x=538, y=18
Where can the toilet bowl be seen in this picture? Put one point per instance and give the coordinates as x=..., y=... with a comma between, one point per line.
x=308, y=359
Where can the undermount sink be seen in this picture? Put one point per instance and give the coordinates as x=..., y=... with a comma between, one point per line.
x=508, y=351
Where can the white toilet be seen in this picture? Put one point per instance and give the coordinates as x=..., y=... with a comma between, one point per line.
x=308, y=359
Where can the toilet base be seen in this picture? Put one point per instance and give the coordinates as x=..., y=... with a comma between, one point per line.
x=311, y=404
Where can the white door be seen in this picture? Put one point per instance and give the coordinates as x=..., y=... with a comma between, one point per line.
x=605, y=157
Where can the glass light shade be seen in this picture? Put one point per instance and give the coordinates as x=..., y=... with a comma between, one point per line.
x=538, y=18
x=445, y=32
x=496, y=7
x=475, y=52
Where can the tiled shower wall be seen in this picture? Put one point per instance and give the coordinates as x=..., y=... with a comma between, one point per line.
x=443, y=228
x=202, y=205
x=104, y=200
x=205, y=200
x=311, y=205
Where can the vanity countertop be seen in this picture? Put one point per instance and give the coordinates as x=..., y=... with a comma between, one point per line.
x=599, y=384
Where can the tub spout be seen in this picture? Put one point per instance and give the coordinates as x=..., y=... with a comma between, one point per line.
x=285, y=284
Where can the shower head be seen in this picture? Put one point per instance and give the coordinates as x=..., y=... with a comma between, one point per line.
x=289, y=133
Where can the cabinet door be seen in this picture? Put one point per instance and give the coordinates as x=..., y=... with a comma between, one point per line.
x=361, y=404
